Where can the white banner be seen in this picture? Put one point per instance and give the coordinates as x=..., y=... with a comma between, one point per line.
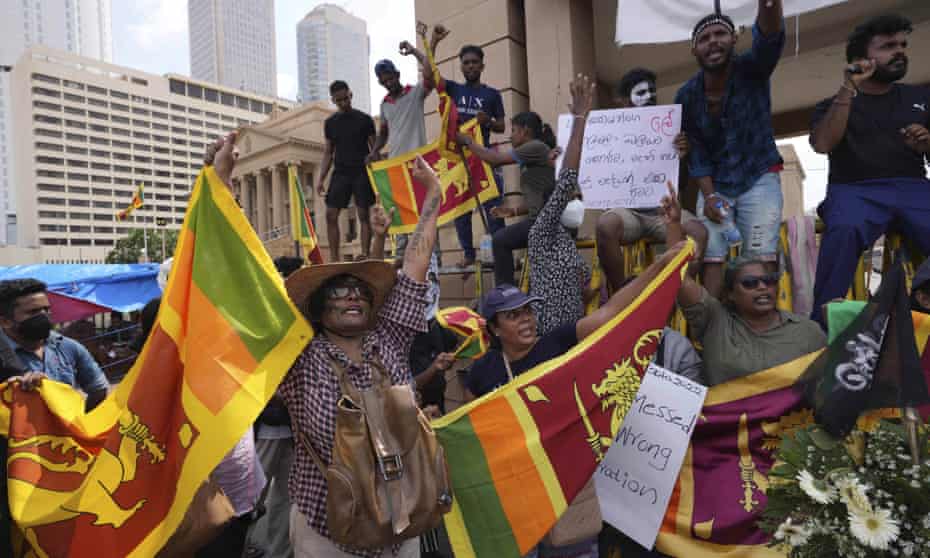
x=635, y=480
x=627, y=156
x=669, y=21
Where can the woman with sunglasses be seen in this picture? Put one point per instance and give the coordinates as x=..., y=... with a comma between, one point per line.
x=744, y=331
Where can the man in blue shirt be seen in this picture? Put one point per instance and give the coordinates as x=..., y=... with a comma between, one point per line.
x=27, y=327
x=474, y=99
x=728, y=119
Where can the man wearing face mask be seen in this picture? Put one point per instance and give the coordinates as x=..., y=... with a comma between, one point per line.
x=875, y=133
x=621, y=226
x=27, y=327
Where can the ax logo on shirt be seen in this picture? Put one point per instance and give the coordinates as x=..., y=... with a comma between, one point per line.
x=922, y=108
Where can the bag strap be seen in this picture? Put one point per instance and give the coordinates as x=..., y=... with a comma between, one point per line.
x=507, y=366
x=302, y=437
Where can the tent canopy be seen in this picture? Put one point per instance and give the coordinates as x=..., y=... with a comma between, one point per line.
x=100, y=287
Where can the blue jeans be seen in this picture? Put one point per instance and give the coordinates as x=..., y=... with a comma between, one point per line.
x=856, y=215
x=463, y=222
x=757, y=212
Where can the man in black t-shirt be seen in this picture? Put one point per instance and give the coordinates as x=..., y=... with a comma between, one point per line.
x=875, y=133
x=349, y=135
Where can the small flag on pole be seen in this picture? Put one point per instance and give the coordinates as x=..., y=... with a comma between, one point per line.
x=136, y=203
x=301, y=225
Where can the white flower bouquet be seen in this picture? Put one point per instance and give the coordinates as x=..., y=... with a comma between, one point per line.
x=859, y=497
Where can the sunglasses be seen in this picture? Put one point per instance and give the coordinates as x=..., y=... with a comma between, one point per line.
x=359, y=291
x=750, y=282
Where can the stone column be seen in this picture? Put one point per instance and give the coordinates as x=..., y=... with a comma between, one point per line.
x=277, y=196
x=245, y=195
x=262, y=182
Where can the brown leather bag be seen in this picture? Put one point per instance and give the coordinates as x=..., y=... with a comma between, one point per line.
x=387, y=481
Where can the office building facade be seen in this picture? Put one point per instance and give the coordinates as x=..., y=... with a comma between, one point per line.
x=333, y=44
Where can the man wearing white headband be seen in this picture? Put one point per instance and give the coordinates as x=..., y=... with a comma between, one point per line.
x=727, y=114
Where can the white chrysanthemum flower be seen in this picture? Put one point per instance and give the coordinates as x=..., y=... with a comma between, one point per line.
x=792, y=533
x=875, y=529
x=818, y=490
x=853, y=494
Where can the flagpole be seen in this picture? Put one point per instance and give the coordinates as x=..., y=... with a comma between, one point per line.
x=471, y=190
x=145, y=240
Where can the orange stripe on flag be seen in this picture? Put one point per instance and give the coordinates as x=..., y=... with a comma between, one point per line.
x=519, y=485
x=177, y=297
x=406, y=204
x=211, y=343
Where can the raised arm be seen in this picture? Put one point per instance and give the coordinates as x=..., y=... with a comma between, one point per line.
x=770, y=16
x=420, y=245
x=428, y=81
x=550, y=217
x=690, y=292
x=625, y=296
x=380, y=221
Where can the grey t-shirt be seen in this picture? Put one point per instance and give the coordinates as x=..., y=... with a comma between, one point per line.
x=537, y=178
x=404, y=117
x=733, y=350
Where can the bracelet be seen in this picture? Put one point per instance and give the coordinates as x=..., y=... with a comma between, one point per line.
x=854, y=90
x=710, y=195
x=581, y=116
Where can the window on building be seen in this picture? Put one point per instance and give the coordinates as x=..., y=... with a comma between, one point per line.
x=119, y=94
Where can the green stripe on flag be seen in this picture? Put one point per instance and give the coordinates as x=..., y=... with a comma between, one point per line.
x=228, y=274
x=383, y=184
x=475, y=492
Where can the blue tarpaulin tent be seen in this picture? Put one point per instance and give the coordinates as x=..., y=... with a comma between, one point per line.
x=120, y=287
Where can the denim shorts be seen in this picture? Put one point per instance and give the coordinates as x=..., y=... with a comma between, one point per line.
x=758, y=217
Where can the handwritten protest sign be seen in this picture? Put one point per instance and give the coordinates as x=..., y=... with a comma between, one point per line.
x=635, y=480
x=627, y=157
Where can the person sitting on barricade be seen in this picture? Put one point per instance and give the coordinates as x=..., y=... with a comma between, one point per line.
x=532, y=142
x=874, y=131
x=620, y=226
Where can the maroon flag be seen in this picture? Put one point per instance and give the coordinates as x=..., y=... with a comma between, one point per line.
x=720, y=493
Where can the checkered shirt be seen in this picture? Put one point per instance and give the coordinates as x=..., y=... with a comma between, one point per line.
x=311, y=390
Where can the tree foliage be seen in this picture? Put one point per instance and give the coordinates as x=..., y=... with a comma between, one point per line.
x=129, y=248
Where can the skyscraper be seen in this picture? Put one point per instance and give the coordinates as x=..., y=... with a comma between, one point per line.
x=77, y=26
x=232, y=44
x=333, y=44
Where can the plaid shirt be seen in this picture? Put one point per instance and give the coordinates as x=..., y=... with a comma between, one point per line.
x=736, y=147
x=311, y=390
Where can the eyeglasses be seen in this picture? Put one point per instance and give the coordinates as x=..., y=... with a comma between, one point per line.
x=750, y=282
x=359, y=291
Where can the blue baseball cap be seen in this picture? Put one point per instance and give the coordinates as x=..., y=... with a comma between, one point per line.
x=503, y=298
x=384, y=66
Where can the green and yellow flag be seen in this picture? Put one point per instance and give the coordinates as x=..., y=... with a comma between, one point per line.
x=301, y=224
x=117, y=481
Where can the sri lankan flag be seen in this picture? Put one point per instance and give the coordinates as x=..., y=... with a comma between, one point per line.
x=469, y=326
x=117, y=481
x=135, y=204
x=519, y=455
x=720, y=494
x=301, y=224
x=448, y=112
x=392, y=180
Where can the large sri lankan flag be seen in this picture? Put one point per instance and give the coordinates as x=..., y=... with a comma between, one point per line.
x=117, y=481
x=519, y=455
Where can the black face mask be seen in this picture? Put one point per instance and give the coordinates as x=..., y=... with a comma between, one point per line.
x=36, y=328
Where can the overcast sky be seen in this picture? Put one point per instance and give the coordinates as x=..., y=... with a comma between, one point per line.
x=151, y=35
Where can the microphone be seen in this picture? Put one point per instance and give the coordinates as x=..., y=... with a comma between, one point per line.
x=854, y=69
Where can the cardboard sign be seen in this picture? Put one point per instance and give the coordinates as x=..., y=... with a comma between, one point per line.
x=635, y=480
x=627, y=156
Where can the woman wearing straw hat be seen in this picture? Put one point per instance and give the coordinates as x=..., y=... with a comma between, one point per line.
x=363, y=312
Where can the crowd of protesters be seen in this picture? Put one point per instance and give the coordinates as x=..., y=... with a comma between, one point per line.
x=375, y=320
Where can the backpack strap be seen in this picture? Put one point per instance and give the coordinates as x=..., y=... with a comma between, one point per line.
x=659, y=359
